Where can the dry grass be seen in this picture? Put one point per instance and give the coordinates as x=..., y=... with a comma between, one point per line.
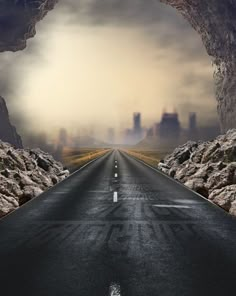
x=151, y=157
x=76, y=158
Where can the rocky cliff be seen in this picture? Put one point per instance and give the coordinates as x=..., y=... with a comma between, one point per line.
x=209, y=168
x=18, y=19
x=214, y=20
x=7, y=130
x=24, y=174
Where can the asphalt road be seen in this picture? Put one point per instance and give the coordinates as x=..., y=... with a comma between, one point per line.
x=115, y=228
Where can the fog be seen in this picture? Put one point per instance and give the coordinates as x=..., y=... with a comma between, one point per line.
x=93, y=63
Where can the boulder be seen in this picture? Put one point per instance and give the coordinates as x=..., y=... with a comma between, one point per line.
x=24, y=174
x=225, y=198
x=209, y=168
x=233, y=208
x=197, y=185
x=8, y=132
x=7, y=204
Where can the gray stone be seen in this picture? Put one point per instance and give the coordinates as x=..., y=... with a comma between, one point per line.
x=225, y=197
x=7, y=130
x=209, y=170
x=24, y=175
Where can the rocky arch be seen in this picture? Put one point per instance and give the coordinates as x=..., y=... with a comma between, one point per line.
x=214, y=20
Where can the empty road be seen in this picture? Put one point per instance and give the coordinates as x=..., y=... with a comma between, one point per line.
x=118, y=227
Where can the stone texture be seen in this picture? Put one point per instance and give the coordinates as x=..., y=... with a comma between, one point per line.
x=225, y=197
x=24, y=174
x=215, y=21
x=7, y=130
x=18, y=19
x=209, y=168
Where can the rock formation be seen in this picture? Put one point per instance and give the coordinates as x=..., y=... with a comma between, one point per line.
x=214, y=20
x=7, y=131
x=18, y=19
x=24, y=174
x=209, y=168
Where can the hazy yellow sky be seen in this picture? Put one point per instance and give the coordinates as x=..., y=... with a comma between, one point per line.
x=84, y=75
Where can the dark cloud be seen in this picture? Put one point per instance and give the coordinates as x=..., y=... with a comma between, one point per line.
x=160, y=21
x=120, y=12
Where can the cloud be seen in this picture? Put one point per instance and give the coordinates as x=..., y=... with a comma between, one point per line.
x=119, y=12
x=80, y=37
x=159, y=21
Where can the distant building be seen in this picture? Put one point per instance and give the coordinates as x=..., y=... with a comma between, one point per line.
x=128, y=136
x=192, y=121
x=63, y=137
x=156, y=130
x=111, y=135
x=169, y=127
x=137, y=122
x=168, y=133
x=137, y=129
x=150, y=132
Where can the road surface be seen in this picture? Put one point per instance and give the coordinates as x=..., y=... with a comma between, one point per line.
x=117, y=227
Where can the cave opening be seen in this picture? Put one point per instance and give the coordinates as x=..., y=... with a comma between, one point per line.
x=119, y=38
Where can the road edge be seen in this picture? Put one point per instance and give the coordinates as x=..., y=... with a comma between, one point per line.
x=181, y=184
x=48, y=189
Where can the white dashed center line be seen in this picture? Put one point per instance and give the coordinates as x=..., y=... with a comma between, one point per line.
x=116, y=175
x=114, y=290
x=172, y=206
x=116, y=166
x=115, y=197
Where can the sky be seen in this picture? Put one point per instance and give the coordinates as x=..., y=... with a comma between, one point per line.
x=95, y=62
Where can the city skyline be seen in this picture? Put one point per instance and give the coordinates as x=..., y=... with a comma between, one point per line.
x=168, y=129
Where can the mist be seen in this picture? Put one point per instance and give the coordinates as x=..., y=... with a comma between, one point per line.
x=93, y=63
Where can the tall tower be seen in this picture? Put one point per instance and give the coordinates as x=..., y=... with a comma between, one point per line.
x=169, y=127
x=111, y=135
x=192, y=121
x=137, y=123
x=63, y=137
x=137, y=128
x=192, y=129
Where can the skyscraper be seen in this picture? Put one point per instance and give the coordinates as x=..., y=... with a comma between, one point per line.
x=63, y=137
x=111, y=135
x=169, y=127
x=192, y=129
x=137, y=129
x=192, y=121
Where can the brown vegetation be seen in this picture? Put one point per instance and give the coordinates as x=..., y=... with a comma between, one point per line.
x=75, y=158
x=151, y=157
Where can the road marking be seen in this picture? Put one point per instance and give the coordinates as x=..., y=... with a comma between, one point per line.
x=138, y=198
x=172, y=179
x=115, y=197
x=116, y=175
x=115, y=161
x=114, y=290
x=172, y=206
x=116, y=166
x=190, y=202
x=98, y=191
